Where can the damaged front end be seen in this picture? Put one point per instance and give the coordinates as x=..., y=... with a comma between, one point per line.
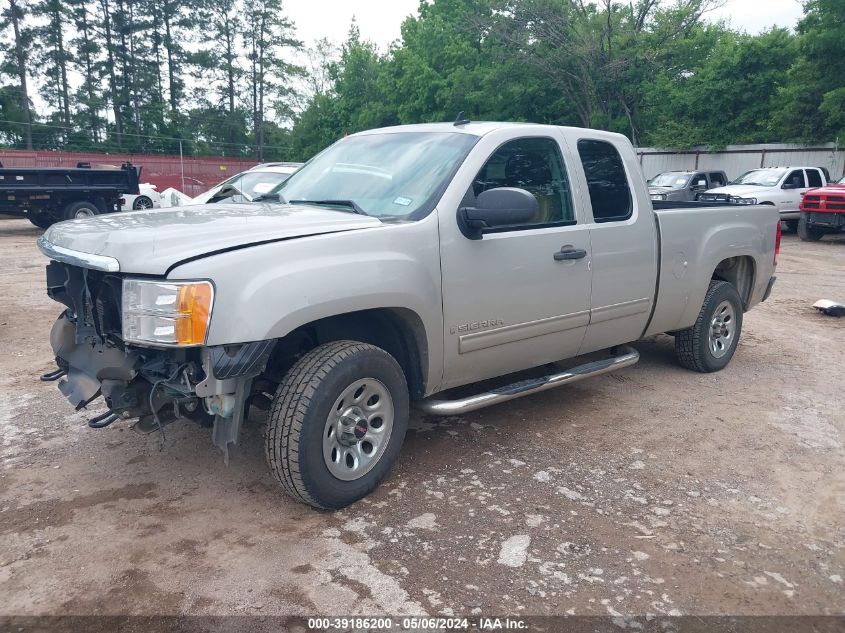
x=170, y=376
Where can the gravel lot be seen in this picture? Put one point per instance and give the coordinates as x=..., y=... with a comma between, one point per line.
x=651, y=490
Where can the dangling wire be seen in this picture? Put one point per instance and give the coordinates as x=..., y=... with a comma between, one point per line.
x=162, y=440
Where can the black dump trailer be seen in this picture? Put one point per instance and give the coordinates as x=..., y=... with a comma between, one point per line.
x=50, y=194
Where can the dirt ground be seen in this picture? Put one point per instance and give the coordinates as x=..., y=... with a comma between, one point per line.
x=651, y=490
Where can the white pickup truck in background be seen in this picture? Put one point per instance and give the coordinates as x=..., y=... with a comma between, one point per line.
x=396, y=265
x=781, y=187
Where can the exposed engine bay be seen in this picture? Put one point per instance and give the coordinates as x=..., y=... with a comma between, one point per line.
x=212, y=386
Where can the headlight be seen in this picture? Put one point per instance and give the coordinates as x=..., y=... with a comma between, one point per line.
x=658, y=196
x=166, y=313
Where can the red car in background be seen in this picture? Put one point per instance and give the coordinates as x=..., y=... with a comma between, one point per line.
x=822, y=211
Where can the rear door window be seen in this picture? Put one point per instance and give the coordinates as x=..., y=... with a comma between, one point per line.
x=814, y=178
x=607, y=182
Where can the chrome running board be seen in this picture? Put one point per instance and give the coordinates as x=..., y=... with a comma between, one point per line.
x=627, y=356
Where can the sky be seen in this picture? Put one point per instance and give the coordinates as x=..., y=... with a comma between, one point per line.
x=380, y=20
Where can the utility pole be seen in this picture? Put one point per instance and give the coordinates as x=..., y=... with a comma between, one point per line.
x=182, y=165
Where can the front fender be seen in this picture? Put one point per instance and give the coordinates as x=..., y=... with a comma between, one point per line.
x=266, y=291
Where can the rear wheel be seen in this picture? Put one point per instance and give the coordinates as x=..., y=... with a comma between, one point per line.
x=337, y=423
x=808, y=233
x=79, y=210
x=710, y=343
x=142, y=202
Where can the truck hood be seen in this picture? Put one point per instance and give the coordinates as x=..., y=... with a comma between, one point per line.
x=742, y=191
x=666, y=190
x=151, y=242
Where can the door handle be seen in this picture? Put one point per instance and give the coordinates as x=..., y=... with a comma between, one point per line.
x=570, y=253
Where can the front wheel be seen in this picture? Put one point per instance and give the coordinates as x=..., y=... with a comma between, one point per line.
x=791, y=225
x=41, y=220
x=337, y=423
x=710, y=343
x=808, y=233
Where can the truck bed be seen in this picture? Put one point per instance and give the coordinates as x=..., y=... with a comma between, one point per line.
x=697, y=238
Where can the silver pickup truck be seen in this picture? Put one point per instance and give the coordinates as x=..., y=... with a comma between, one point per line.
x=395, y=266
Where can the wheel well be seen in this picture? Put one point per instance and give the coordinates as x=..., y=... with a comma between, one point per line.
x=738, y=271
x=398, y=331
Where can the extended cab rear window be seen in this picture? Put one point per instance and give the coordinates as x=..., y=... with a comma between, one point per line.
x=814, y=178
x=610, y=195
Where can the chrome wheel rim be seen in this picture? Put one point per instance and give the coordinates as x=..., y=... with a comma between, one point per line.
x=722, y=329
x=358, y=429
x=143, y=203
x=83, y=213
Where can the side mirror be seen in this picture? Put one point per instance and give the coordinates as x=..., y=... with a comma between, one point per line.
x=502, y=206
x=224, y=194
x=790, y=185
x=700, y=184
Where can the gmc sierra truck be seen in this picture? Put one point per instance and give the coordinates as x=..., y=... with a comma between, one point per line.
x=394, y=267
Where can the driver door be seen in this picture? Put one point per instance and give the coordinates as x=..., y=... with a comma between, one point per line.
x=508, y=302
x=794, y=186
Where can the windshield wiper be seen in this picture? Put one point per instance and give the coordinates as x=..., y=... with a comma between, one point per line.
x=349, y=204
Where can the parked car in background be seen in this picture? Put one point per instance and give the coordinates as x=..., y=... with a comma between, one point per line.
x=148, y=197
x=248, y=185
x=781, y=187
x=684, y=185
x=822, y=211
x=398, y=264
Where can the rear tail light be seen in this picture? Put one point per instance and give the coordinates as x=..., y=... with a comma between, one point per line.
x=777, y=243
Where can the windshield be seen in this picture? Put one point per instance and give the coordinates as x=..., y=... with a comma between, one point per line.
x=670, y=180
x=762, y=177
x=383, y=175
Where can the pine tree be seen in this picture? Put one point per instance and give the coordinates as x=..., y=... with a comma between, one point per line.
x=14, y=16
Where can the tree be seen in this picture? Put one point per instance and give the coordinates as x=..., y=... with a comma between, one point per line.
x=54, y=58
x=269, y=35
x=813, y=96
x=89, y=94
x=725, y=98
x=14, y=16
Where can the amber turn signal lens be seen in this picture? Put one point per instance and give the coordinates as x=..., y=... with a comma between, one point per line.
x=193, y=306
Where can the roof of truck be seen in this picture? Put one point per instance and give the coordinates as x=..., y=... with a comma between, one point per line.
x=476, y=128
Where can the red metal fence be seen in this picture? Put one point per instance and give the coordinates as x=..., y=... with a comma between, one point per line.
x=200, y=174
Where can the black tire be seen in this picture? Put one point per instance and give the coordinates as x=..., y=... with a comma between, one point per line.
x=142, y=202
x=693, y=345
x=791, y=225
x=81, y=209
x=41, y=220
x=299, y=418
x=808, y=233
